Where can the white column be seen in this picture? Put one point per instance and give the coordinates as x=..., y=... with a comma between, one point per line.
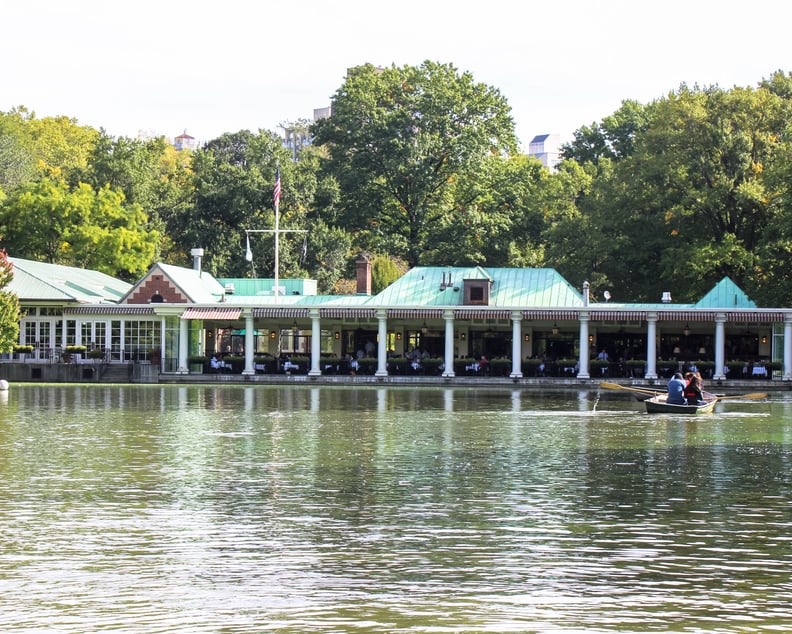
x=720, y=346
x=787, y=376
x=249, y=343
x=122, y=343
x=448, y=316
x=184, y=333
x=516, y=318
x=651, y=346
x=583, y=360
x=316, y=343
x=382, y=343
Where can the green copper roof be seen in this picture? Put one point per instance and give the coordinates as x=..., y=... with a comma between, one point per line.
x=41, y=281
x=443, y=286
x=258, y=287
x=725, y=294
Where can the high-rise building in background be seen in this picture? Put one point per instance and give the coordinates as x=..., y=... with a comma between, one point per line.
x=546, y=148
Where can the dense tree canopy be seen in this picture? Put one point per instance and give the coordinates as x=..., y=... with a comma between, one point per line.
x=687, y=202
x=419, y=165
x=399, y=139
x=48, y=221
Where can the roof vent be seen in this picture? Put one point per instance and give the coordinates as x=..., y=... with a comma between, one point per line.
x=229, y=289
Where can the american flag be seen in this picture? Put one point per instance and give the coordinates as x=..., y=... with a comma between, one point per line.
x=276, y=192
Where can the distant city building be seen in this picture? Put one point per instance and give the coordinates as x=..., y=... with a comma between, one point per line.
x=298, y=135
x=184, y=142
x=546, y=148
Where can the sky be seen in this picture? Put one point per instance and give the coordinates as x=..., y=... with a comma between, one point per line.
x=170, y=66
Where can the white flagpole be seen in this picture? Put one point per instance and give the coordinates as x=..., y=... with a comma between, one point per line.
x=277, y=231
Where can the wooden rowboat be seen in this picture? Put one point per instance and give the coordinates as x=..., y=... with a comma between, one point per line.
x=658, y=405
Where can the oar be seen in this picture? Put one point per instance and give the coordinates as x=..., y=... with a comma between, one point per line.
x=616, y=386
x=754, y=395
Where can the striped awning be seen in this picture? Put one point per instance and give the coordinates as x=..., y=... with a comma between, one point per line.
x=347, y=313
x=212, y=313
x=617, y=315
x=109, y=310
x=686, y=315
x=550, y=314
x=415, y=313
x=281, y=313
x=472, y=313
x=756, y=317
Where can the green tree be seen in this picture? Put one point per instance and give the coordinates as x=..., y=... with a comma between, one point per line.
x=153, y=175
x=234, y=177
x=58, y=144
x=384, y=271
x=689, y=203
x=397, y=141
x=17, y=161
x=48, y=221
x=9, y=307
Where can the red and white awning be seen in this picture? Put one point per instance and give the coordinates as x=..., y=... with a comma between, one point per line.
x=347, y=313
x=212, y=313
x=415, y=313
x=281, y=313
x=116, y=309
x=686, y=315
x=756, y=317
x=551, y=314
x=617, y=315
x=472, y=313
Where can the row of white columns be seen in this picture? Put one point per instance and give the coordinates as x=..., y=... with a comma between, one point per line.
x=516, y=372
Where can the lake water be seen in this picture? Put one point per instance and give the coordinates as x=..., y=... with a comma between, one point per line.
x=299, y=509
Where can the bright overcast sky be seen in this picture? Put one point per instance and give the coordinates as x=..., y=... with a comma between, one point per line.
x=167, y=66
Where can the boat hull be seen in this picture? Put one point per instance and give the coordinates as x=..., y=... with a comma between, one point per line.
x=657, y=405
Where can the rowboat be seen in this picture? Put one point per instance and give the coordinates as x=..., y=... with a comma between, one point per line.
x=658, y=405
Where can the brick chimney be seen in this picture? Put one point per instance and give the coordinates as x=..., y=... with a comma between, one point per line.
x=363, y=268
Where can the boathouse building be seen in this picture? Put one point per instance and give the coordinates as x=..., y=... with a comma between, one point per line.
x=450, y=321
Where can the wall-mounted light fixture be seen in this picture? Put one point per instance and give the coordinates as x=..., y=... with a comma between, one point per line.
x=686, y=331
x=462, y=336
x=555, y=328
x=527, y=338
x=398, y=336
x=591, y=338
x=273, y=334
x=764, y=338
x=337, y=335
x=424, y=328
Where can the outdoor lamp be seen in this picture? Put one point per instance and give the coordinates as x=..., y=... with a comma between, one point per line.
x=424, y=328
x=527, y=338
x=272, y=334
x=555, y=328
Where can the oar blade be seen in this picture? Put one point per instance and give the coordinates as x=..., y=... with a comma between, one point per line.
x=752, y=396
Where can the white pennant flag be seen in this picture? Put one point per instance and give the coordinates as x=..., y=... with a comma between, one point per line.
x=248, y=252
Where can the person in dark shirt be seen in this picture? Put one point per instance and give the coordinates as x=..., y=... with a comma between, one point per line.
x=693, y=393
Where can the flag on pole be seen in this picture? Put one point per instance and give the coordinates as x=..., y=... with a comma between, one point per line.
x=248, y=252
x=276, y=192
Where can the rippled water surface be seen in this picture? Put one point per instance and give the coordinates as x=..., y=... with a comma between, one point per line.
x=299, y=509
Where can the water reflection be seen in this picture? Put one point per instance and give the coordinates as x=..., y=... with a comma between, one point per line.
x=238, y=509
